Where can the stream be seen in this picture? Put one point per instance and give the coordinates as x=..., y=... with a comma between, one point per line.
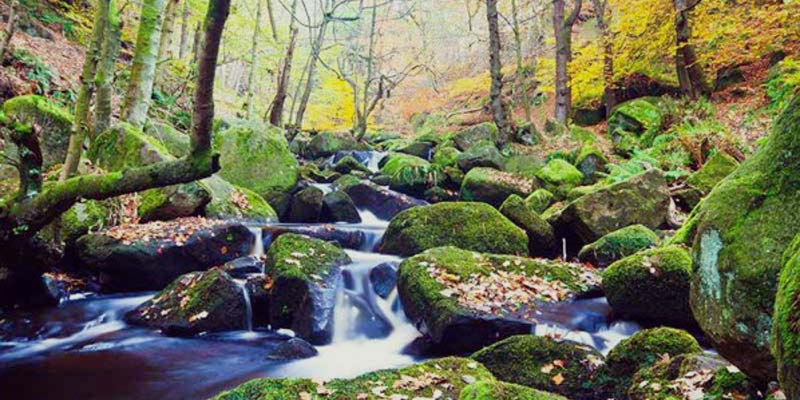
x=83, y=349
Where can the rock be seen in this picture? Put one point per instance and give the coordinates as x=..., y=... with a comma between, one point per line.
x=54, y=122
x=640, y=351
x=84, y=217
x=234, y=202
x=293, y=349
x=197, y=302
x=243, y=266
x=339, y=207
x=719, y=166
x=149, y=257
x=483, y=154
x=709, y=375
x=455, y=324
x=306, y=273
x=527, y=360
x=591, y=162
x=470, y=226
x=382, y=202
x=418, y=148
x=346, y=181
x=488, y=390
x=347, y=238
x=176, y=142
x=256, y=286
x=329, y=143
x=467, y=137
x=256, y=157
x=299, y=143
x=384, y=279
x=409, y=174
x=306, y=205
x=737, y=235
x=539, y=200
x=21, y=274
x=559, y=177
x=492, y=186
x=349, y=164
x=581, y=191
x=172, y=202
x=642, y=199
x=651, y=285
x=446, y=157
x=784, y=332
x=634, y=121
x=442, y=378
x=524, y=165
x=541, y=239
x=617, y=245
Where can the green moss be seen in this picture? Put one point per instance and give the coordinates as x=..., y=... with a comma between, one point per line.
x=493, y=187
x=487, y=390
x=83, y=217
x=715, y=170
x=467, y=137
x=446, y=156
x=640, y=117
x=349, y=164
x=302, y=257
x=346, y=181
x=471, y=226
x=559, y=177
x=229, y=201
x=785, y=332
x=176, y=142
x=151, y=200
x=591, y=162
x=54, y=122
x=541, y=238
x=618, y=244
x=410, y=174
x=481, y=154
x=524, y=165
x=123, y=146
x=528, y=360
x=539, y=200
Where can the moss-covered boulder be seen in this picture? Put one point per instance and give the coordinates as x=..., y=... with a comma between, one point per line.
x=651, y=285
x=633, y=122
x=785, y=332
x=256, y=157
x=719, y=166
x=470, y=226
x=705, y=375
x=446, y=156
x=496, y=390
x=642, y=199
x=177, y=142
x=591, y=162
x=172, y=202
x=737, y=234
x=329, y=143
x=482, y=154
x=419, y=148
x=492, y=186
x=640, y=351
x=468, y=137
x=305, y=273
x=541, y=239
x=306, y=205
x=442, y=378
x=618, y=244
x=197, y=302
x=543, y=363
x=463, y=300
x=349, y=164
x=540, y=200
x=409, y=174
x=82, y=218
x=524, y=165
x=54, y=122
x=233, y=202
x=337, y=206
x=559, y=177
x=381, y=201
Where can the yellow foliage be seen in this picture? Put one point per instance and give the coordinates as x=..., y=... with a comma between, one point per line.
x=586, y=71
x=469, y=86
x=331, y=107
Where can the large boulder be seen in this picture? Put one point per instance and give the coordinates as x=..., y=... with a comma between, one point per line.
x=482, y=154
x=737, y=235
x=700, y=182
x=652, y=285
x=470, y=226
x=197, y=302
x=785, y=332
x=540, y=200
x=463, y=300
x=642, y=199
x=635, y=123
x=542, y=363
x=305, y=273
x=467, y=137
x=591, y=162
x=442, y=378
x=409, y=174
x=234, y=202
x=329, y=143
x=306, y=205
x=256, y=157
x=617, y=245
x=178, y=143
x=381, y=201
x=497, y=390
x=541, y=239
x=339, y=207
x=54, y=123
x=559, y=177
x=131, y=258
x=492, y=186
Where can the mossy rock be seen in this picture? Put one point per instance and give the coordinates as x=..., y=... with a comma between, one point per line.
x=529, y=361
x=172, y=202
x=468, y=137
x=785, y=332
x=540, y=200
x=495, y=390
x=666, y=380
x=618, y=244
x=524, y=165
x=233, y=202
x=419, y=148
x=348, y=164
x=84, y=217
x=640, y=351
x=123, y=146
x=339, y=207
x=635, y=123
x=541, y=239
x=306, y=205
x=719, y=166
x=446, y=156
x=482, y=154
x=54, y=122
x=591, y=162
x=305, y=274
x=197, y=302
x=455, y=328
x=346, y=181
x=470, y=226
x=559, y=177
x=492, y=186
x=737, y=234
x=256, y=157
x=580, y=191
x=447, y=376
x=651, y=285
x=329, y=143
x=409, y=174
x=177, y=142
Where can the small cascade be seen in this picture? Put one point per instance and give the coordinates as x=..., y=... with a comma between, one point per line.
x=248, y=315
x=324, y=187
x=375, y=158
x=258, y=243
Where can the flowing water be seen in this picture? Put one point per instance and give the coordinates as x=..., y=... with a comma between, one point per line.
x=83, y=349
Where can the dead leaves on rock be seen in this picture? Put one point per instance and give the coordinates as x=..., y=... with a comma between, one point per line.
x=177, y=231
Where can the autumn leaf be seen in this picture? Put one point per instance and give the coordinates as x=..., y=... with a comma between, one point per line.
x=558, y=379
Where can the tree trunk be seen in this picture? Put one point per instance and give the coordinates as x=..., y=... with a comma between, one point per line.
x=312, y=69
x=278, y=103
x=11, y=28
x=690, y=73
x=198, y=39
x=168, y=30
x=140, y=88
x=105, y=71
x=522, y=78
x=271, y=15
x=183, y=46
x=362, y=117
x=562, y=26
x=251, y=79
x=499, y=108
x=602, y=10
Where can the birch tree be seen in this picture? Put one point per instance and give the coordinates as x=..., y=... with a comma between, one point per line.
x=143, y=69
x=562, y=26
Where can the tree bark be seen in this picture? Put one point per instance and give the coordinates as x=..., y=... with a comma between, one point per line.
x=198, y=39
x=29, y=153
x=183, y=46
x=168, y=30
x=140, y=88
x=522, y=78
x=362, y=115
x=691, y=76
x=602, y=10
x=11, y=28
x=279, y=101
x=251, y=79
x=271, y=15
x=562, y=26
x=105, y=71
x=316, y=49
x=498, y=106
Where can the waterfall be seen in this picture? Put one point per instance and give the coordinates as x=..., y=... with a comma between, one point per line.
x=375, y=158
x=248, y=314
x=258, y=243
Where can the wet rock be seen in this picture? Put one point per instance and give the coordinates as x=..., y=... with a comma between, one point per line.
x=496, y=390
x=339, y=207
x=384, y=279
x=197, y=302
x=471, y=226
x=382, y=180
x=257, y=287
x=382, y=202
x=420, y=149
x=347, y=238
x=293, y=349
x=617, y=245
x=541, y=239
x=130, y=259
x=483, y=154
x=241, y=267
x=329, y=143
x=348, y=165
x=306, y=205
x=491, y=186
x=21, y=269
x=306, y=274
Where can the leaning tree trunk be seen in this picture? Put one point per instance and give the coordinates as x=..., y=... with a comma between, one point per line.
x=498, y=106
x=279, y=101
x=140, y=87
x=11, y=28
x=562, y=26
x=602, y=10
x=312, y=69
x=105, y=71
x=251, y=79
x=690, y=73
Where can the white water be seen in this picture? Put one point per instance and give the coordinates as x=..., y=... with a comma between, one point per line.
x=370, y=220
x=375, y=159
x=258, y=242
x=324, y=187
x=603, y=340
x=248, y=315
